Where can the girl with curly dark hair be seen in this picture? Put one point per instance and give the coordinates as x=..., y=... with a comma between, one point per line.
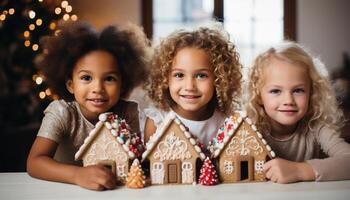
x=92, y=72
x=197, y=75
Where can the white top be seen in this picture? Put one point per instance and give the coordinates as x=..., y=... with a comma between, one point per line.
x=15, y=186
x=204, y=130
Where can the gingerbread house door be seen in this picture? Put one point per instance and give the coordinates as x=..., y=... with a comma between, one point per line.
x=173, y=171
x=245, y=168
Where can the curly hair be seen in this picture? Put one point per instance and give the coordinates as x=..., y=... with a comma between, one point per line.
x=224, y=60
x=323, y=106
x=127, y=44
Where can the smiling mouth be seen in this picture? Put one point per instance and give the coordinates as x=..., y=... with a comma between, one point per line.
x=288, y=111
x=190, y=96
x=97, y=102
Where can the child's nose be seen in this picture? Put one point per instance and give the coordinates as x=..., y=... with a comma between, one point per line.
x=98, y=87
x=288, y=99
x=190, y=84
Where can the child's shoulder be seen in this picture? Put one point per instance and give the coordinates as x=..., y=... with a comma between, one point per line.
x=61, y=107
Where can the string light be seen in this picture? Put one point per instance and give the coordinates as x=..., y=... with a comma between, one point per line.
x=35, y=47
x=31, y=14
x=66, y=17
x=63, y=9
x=26, y=34
x=64, y=4
x=39, y=22
x=42, y=95
x=11, y=11
x=2, y=17
x=58, y=10
x=74, y=17
x=31, y=27
x=38, y=80
x=48, y=92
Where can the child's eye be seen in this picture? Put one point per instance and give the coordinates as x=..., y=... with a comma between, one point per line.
x=86, y=78
x=275, y=91
x=111, y=78
x=299, y=90
x=202, y=75
x=178, y=75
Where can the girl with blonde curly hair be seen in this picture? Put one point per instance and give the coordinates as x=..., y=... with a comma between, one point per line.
x=291, y=100
x=197, y=75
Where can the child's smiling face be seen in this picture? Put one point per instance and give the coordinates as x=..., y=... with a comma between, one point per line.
x=191, y=83
x=285, y=93
x=95, y=84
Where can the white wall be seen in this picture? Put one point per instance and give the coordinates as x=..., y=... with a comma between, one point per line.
x=324, y=27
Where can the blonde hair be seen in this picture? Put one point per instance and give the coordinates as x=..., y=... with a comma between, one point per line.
x=224, y=62
x=323, y=106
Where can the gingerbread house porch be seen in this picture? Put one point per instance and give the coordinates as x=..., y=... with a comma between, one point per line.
x=112, y=144
x=173, y=153
x=240, y=150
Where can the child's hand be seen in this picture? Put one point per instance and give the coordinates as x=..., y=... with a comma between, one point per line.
x=95, y=177
x=283, y=171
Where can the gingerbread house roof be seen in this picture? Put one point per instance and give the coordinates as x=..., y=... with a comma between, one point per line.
x=121, y=131
x=161, y=130
x=231, y=125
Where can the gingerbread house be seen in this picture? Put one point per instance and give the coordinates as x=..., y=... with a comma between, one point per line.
x=174, y=155
x=240, y=150
x=112, y=144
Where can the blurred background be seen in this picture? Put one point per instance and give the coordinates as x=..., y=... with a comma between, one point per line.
x=323, y=26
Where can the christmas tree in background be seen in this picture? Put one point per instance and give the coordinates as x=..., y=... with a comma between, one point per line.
x=136, y=177
x=208, y=174
x=23, y=91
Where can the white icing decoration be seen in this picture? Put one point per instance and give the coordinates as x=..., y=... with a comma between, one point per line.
x=248, y=120
x=228, y=167
x=182, y=127
x=254, y=128
x=102, y=117
x=187, y=134
x=197, y=148
x=108, y=125
x=273, y=154
x=120, y=140
x=192, y=141
x=242, y=144
x=114, y=132
x=157, y=173
x=172, y=148
x=259, y=166
x=268, y=147
x=259, y=134
x=263, y=141
x=177, y=121
x=131, y=154
x=187, y=172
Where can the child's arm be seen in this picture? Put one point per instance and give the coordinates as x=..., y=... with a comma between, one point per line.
x=150, y=129
x=40, y=164
x=284, y=171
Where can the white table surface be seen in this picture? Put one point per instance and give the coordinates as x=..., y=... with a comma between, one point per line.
x=22, y=186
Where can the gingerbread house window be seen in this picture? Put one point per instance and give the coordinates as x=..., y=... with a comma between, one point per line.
x=158, y=173
x=187, y=172
x=121, y=171
x=228, y=167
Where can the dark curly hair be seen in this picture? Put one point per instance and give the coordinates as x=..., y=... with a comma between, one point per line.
x=128, y=45
x=224, y=60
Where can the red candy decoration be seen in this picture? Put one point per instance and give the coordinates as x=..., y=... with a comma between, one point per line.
x=208, y=174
